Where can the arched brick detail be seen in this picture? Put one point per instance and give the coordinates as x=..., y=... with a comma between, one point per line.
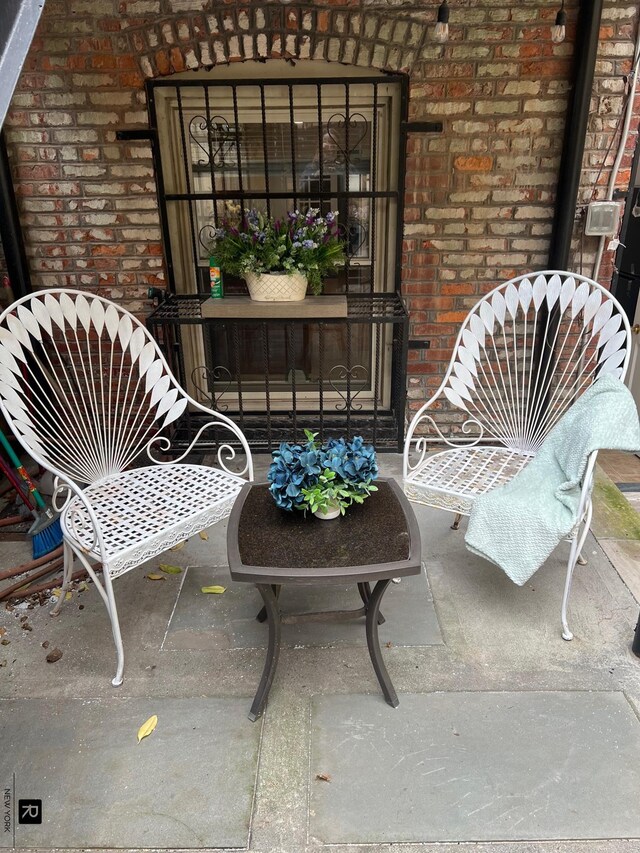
x=196, y=40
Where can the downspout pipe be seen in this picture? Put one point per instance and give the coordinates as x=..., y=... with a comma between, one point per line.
x=10, y=230
x=585, y=53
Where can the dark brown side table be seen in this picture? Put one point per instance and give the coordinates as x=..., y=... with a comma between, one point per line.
x=374, y=542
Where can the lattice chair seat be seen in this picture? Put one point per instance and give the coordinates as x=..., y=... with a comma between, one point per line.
x=87, y=392
x=523, y=355
x=452, y=479
x=145, y=511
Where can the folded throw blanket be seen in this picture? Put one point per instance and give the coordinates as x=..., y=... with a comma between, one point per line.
x=518, y=525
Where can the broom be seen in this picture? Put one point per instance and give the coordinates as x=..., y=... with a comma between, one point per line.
x=45, y=532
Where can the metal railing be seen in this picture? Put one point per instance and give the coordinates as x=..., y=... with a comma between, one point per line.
x=333, y=397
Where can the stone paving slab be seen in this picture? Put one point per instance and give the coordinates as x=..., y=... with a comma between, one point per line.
x=475, y=767
x=215, y=622
x=190, y=784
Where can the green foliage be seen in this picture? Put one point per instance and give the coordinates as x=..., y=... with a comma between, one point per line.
x=332, y=490
x=302, y=242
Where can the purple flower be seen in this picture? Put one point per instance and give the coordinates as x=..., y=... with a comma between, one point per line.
x=309, y=244
x=330, y=218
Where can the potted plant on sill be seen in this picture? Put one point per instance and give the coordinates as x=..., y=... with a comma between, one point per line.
x=324, y=480
x=280, y=258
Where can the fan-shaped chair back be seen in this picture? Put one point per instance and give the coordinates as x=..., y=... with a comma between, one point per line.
x=529, y=348
x=82, y=383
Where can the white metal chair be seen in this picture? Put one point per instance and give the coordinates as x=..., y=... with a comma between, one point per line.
x=524, y=353
x=87, y=392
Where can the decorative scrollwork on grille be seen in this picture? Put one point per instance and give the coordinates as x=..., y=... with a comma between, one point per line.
x=205, y=237
x=355, y=236
x=204, y=380
x=220, y=138
x=357, y=374
x=343, y=137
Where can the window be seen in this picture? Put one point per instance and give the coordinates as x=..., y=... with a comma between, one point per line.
x=278, y=144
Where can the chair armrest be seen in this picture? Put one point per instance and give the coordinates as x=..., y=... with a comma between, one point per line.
x=226, y=453
x=422, y=441
x=65, y=485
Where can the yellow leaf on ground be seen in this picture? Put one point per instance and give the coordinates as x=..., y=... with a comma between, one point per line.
x=178, y=546
x=218, y=590
x=83, y=586
x=204, y=535
x=146, y=728
x=169, y=570
x=57, y=592
x=154, y=577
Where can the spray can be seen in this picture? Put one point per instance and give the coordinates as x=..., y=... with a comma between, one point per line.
x=215, y=278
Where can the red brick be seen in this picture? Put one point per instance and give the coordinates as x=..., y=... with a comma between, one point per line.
x=473, y=164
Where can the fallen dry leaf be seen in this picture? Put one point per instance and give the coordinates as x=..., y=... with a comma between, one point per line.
x=26, y=627
x=178, y=546
x=203, y=535
x=216, y=590
x=54, y=655
x=154, y=577
x=3, y=631
x=4, y=641
x=323, y=777
x=57, y=592
x=45, y=645
x=146, y=728
x=169, y=570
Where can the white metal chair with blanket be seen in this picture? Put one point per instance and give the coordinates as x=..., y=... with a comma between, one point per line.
x=525, y=352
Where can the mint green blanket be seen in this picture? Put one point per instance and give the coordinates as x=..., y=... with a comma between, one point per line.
x=518, y=525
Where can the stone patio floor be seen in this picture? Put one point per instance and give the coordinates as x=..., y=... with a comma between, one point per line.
x=507, y=739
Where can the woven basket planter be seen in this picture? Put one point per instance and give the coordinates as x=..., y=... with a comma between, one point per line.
x=276, y=287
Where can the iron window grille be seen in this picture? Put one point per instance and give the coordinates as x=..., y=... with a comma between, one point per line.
x=279, y=144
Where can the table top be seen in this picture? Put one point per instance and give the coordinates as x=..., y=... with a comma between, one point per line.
x=374, y=540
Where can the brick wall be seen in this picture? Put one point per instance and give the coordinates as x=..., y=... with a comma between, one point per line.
x=480, y=196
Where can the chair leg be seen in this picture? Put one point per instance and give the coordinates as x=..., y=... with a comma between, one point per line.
x=574, y=557
x=456, y=521
x=115, y=627
x=566, y=633
x=105, y=590
x=66, y=578
x=582, y=560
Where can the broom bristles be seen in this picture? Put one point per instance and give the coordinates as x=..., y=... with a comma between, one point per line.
x=47, y=538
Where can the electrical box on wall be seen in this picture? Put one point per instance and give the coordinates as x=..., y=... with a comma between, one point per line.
x=603, y=218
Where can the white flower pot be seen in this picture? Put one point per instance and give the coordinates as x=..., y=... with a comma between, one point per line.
x=276, y=287
x=333, y=511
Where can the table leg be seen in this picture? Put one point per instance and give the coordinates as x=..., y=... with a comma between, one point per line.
x=365, y=594
x=273, y=650
x=373, y=610
x=262, y=615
